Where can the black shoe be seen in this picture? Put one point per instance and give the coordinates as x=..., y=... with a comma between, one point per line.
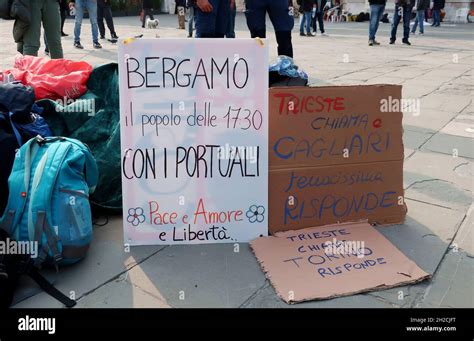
x=46, y=52
x=392, y=41
x=311, y=34
x=102, y=37
x=114, y=36
x=302, y=34
x=64, y=34
x=406, y=42
x=371, y=42
x=78, y=45
x=97, y=45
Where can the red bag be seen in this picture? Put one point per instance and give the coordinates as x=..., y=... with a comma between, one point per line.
x=52, y=78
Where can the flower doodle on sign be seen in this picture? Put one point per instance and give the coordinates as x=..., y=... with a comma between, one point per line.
x=136, y=216
x=256, y=213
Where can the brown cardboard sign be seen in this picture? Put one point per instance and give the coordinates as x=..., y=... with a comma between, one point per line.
x=332, y=125
x=331, y=261
x=313, y=196
x=336, y=155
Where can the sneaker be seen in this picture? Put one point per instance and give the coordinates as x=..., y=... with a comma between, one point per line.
x=46, y=52
x=406, y=42
x=371, y=42
x=302, y=34
x=412, y=32
x=421, y=33
x=114, y=36
x=102, y=37
x=311, y=34
x=97, y=45
x=376, y=42
x=78, y=45
x=64, y=34
x=325, y=34
x=392, y=41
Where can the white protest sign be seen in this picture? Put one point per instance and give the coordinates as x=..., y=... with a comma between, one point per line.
x=194, y=140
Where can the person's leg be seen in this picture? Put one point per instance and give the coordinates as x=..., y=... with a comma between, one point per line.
x=230, y=32
x=283, y=23
x=100, y=20
x=308, y=22
x=438, y=17
x=396, y=20
x=374, y=22
x=302, y=22
x=31, y=39
x=206, y=22
x=150, y=13
x=109, y=20
x=52, y=28
x=415, y=24
x=63, y=19
x=78, y=22
x=421, y=19
x=319, y=16
x=92, y=9
x=255, y=15
x=181, y=18
x=406, y=22
x=191, y=21
x=222, y=18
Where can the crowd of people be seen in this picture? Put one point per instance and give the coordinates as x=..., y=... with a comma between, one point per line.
x=206, y=19
x=403, y=12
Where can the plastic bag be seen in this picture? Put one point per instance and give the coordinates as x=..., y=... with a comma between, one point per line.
x=284, y=72
x=52, y=78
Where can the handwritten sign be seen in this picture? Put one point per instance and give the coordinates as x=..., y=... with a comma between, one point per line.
x=194, y=139
x=335, y=156
x=331, y=261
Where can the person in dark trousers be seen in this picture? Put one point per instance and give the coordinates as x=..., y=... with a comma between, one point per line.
x=147, y=6
x=318, y=17
x=181, y=11
x=230, y=32
x=421, y=7
x=306, y=10
x=64, y=11
x=212, y=17
x=403, y=10
x=105, y=12
x=45, y=12
x=281, y=16
x=438, y=5
x=377, y=7
x=192, y=10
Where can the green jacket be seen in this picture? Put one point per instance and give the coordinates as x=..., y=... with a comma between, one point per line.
x=21, y=12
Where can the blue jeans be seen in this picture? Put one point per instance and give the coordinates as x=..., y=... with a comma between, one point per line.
x=91, y=6
x=306, y=21
x=420, y=18
x=436, y=17
x=213, y=24
x=376, y=12
x=405, y=12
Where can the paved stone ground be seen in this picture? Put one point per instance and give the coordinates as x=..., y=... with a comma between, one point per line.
x=439, y=153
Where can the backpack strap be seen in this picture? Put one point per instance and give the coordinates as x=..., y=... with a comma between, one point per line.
x=15, y=130
x=39, y=227
x=49, y=288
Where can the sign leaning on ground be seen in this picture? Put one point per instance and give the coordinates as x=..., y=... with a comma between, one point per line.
x=194, y=139
x=336, y=155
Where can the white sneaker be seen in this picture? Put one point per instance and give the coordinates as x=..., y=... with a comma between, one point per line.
x=324, y=35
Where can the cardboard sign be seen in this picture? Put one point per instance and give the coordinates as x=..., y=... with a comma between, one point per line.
x=336, y=154
x=194, y=139
x=331, y=261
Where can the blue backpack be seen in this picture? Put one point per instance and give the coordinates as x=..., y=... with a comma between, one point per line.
x=48, y=201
